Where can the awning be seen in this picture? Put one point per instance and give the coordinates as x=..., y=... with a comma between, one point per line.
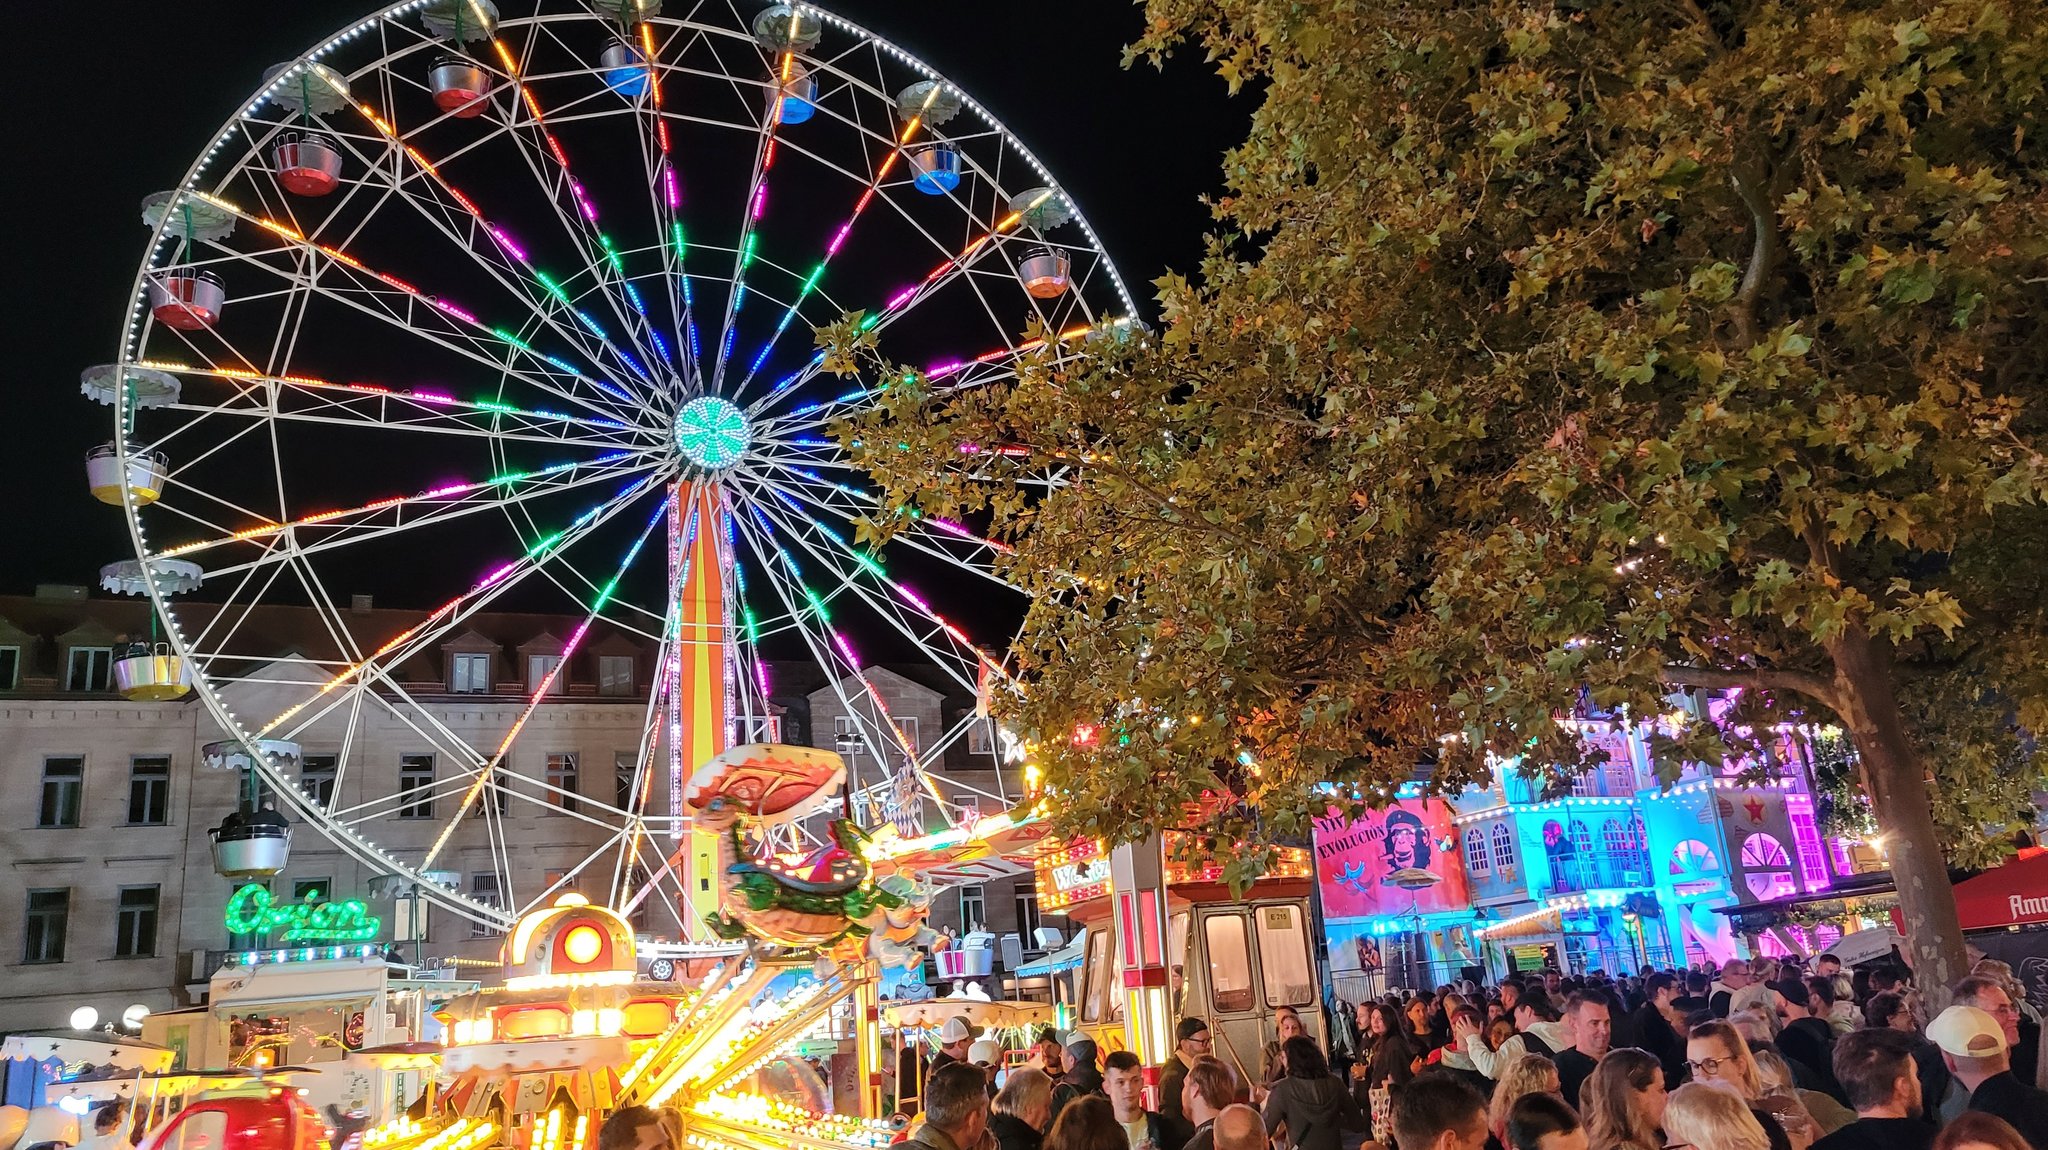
x=1064, y=959
x=2015, y=894
x=299, y=985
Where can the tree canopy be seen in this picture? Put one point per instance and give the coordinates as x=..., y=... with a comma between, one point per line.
x=1548, y=354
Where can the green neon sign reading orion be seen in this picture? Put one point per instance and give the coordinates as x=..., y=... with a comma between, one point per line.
x=250, y=911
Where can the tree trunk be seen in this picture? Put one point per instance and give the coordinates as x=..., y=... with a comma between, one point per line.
x=1897, y=785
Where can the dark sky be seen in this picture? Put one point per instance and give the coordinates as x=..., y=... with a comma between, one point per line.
x=106, y=113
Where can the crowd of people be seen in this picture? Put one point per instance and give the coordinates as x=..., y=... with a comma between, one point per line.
x=1762, y=1055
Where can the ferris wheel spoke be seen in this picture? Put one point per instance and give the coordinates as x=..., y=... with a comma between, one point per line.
x=665, y=195
x=452, y=211
x=438, y=623
x=579, y=221
x=419, y=309
x=755, y=207
x=933, y=536
x=548, y=681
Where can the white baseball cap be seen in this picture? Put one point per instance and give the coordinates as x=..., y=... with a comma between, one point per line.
x=987, y=1051
x=1967, y=1032
x=957, y=1029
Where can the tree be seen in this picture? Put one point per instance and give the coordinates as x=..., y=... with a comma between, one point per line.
x=1549, y=348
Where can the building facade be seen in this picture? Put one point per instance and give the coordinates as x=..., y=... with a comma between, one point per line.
x=115, y=893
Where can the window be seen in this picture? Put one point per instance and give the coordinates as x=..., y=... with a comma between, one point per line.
x=846, y=736
x=316, y=777
x=483, y=887
x=470, y=674
x=135, y=923
x=758, y=728
x=1503, y=850
x=1230, y=963
x=1614, y=841
x=1767, y=868
x=416, y=786
x=254, y=939
x=1476, y=859
x=49, y=913
x=1096, y=992
x=538, y=668
x=622, y=778
x=149, y=790
x=410, y=916
x=981, y=737
x=1027, y=912
x=312, y=889
x=562, y=779
x=973, y=908
x=615, y=674
x=1582, y=839
x=908, y=725
x=87, y=668
x=63, y=791
x=1283, y=956
x=10, y=667
x=1813, y=861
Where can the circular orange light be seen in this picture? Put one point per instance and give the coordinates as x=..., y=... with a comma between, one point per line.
x=582, y=944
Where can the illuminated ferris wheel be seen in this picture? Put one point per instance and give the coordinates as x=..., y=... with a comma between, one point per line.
x=516, y=311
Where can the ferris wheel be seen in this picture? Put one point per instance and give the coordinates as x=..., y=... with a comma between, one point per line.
x=515, y=312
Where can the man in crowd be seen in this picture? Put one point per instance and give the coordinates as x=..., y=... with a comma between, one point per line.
x=1659, y=1024
x=1876, y=1070
x=1191, y=1041
x=1592, y=1030
x=1537, y=1031
x=1239, y=1127
x=1208, y=1092
x=954, y=1039
x=1695, y=1000
x=955, y=1109
x=1989, y=996
x=1438, y=1112
x=638, y=1128
x=1734, y=976
x=1081, y=1078
x=1973, y=1045
x=1807, y=1039
x=1048, y=1055
x=1123, y=1080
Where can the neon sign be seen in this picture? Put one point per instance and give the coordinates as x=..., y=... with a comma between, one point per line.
x=250, y=911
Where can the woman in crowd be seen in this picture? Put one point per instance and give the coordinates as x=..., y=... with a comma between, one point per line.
x=1976, y=1130
x=1822, y=1112
x=1022, y=1110
x=1623, y=1102
x=1717, y=1055
x=1529, y=1074
x=1498, y=1031
x=1311, y=1102
x=1702, y=1117
x=1544, y=1122
x=1087, y=1123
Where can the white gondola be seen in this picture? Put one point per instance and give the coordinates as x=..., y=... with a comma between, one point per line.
x=142, y=478
x=308, y=163
x=1045, y=273
x=187, y=300
x=150, y=673
x=461, y=87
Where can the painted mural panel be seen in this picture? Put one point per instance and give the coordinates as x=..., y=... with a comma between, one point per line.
x=1402, y=860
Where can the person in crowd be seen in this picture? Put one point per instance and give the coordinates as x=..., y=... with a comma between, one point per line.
x=1537, y=1031
x=1191, y=1041
x=1975, y=1131
x=1623, y=1102
x=1806, y=1037
x=954, y=1039
x=987, y=1054
x=1287, y=1023
x=1082, y=1078
x=1417, y=1028
x=1843, y=1015
x=1390, y=1058
x=1210, y=1089
x=1592, y=1031
x=1498, y=1030
x=1822, y=1113
x=1875, y=1067
x=1715, y=1054
x=1527, y=1074
x=1022, y=1110
x=1698, y=988
x=1544, y=1122
x=1658, y=1025
x=1048, y=1055
x=1310, y=1104
x=1995, y=998
x=1734, y=976
x=639, y=1128
x=1239, y=1127
x=1123, y=1079
x=1974, y=1047
x=955, y=1108
x=1088, y=1123
x=109, y=1128
x=1438, y=1112
x=1451, y=1057
x=1888, y=1011
x=1703, y=1117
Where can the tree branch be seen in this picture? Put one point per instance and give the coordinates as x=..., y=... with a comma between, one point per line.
x=1714, y=678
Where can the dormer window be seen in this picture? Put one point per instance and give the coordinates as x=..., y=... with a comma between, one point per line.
x=469, y=673
x=537, y=669
x=88, y=668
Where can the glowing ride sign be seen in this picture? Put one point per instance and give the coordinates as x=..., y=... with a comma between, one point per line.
x=250, y=911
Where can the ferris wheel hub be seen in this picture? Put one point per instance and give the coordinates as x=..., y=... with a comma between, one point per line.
x=712, y=433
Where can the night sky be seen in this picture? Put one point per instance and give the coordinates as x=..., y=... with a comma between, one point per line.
x=109, y=111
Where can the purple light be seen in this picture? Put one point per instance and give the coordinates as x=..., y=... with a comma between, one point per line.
x=832, y=249
x=457, y=312
x=761, y=199
x=901, y=298
x=668, y=183
x=505, y=242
